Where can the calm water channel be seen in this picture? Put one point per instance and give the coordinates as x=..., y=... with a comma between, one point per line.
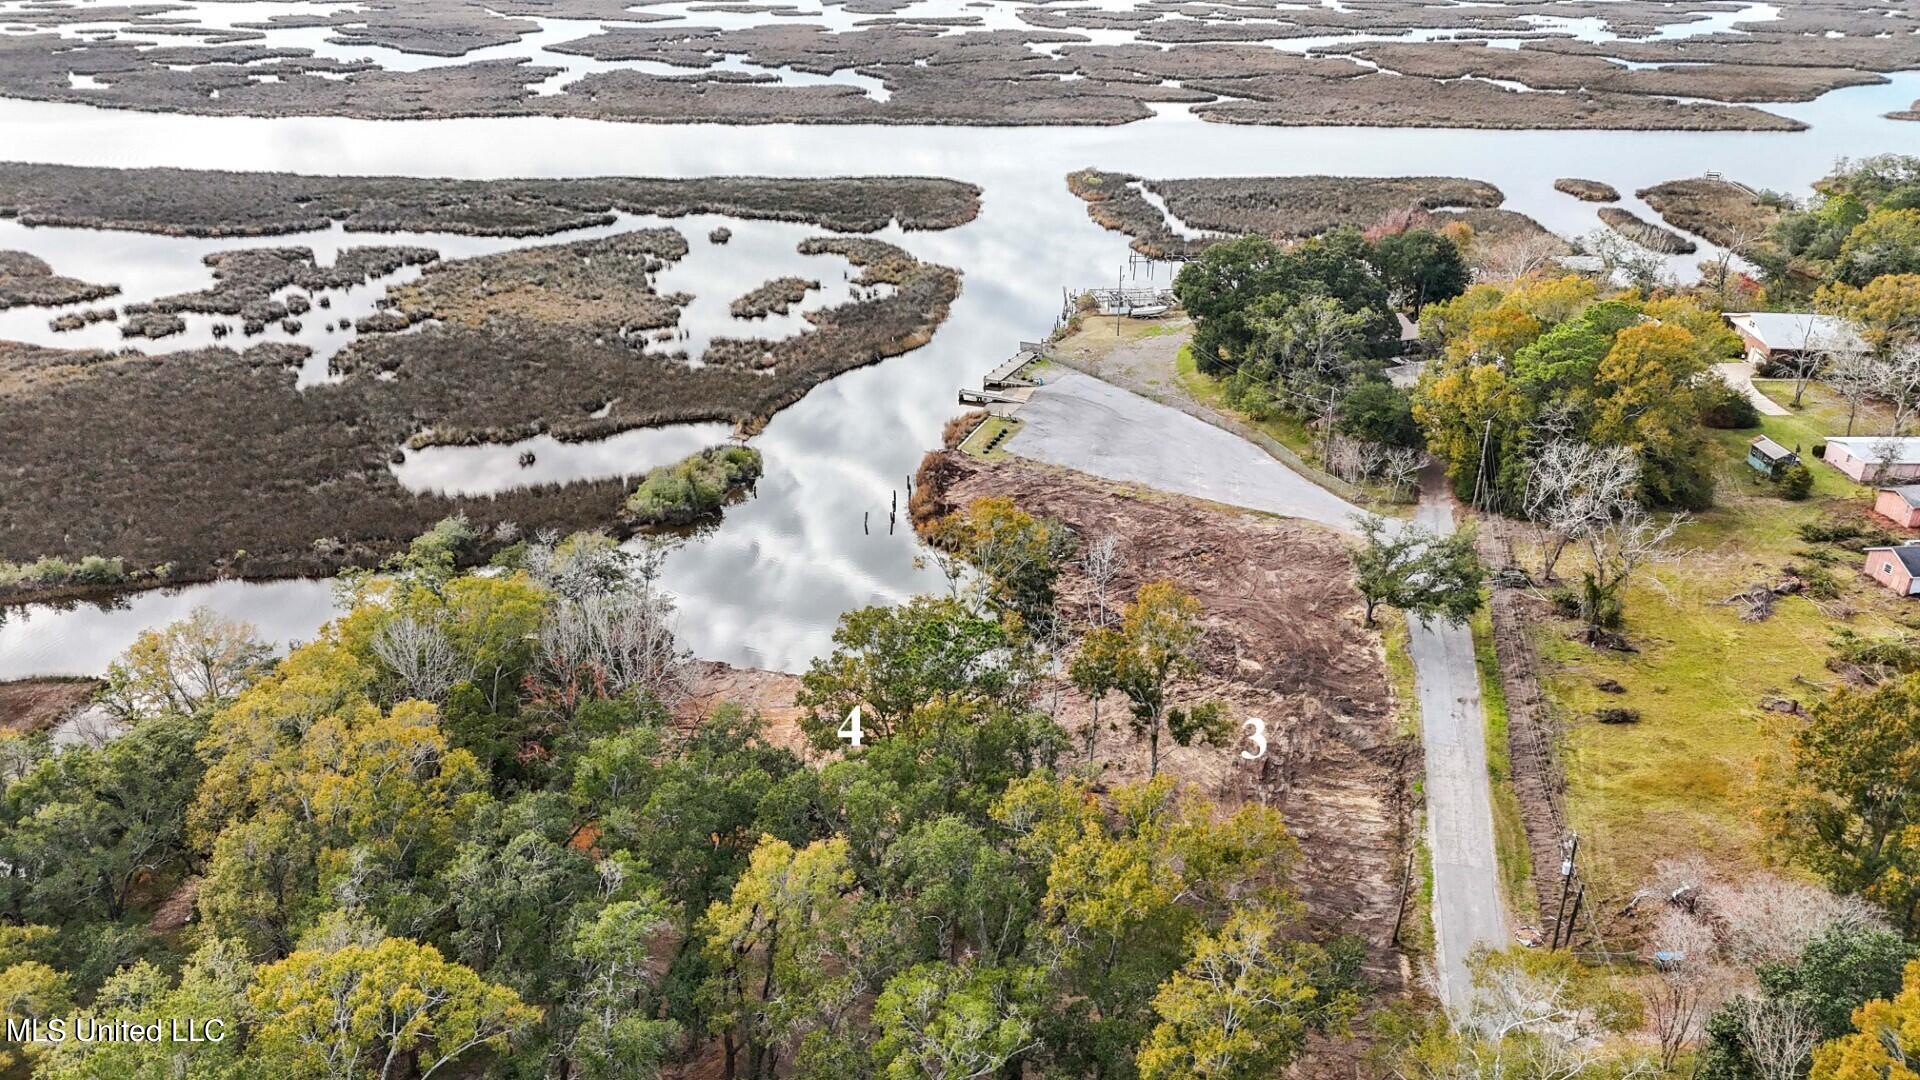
x=767, y=585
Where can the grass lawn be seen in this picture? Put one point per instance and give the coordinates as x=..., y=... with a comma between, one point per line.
x=1681, y=780
x=1290, y=431
x=976, y=442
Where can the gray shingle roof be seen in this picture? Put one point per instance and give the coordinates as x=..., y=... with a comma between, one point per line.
x=1908, y=554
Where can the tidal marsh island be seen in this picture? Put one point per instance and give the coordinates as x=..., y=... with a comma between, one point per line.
x=1633, y=64
x=566, y=339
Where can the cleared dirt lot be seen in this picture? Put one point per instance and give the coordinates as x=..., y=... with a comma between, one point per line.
x=1336, y=763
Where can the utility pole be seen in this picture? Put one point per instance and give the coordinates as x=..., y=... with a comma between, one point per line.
x=1571, y=845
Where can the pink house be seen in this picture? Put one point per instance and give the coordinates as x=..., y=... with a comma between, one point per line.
x=1874, y=460
x=1895, y=567
x=1900, y=505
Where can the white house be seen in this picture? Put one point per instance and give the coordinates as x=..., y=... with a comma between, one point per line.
x=1874, y=459
x=1777, y=337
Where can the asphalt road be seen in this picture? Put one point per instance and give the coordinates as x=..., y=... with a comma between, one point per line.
x=1080, y=422
x=1085, y=424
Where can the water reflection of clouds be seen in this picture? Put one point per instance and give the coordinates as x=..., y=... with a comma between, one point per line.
x=767, y=585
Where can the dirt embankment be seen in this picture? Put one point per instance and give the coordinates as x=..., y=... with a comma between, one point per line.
x=1533, y=733
x=1283, y=207
x=1284, y=643
x=30, y=705
x=1587, y=190
x=1728, y=214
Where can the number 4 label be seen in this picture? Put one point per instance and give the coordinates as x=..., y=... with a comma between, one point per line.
x=850, y=730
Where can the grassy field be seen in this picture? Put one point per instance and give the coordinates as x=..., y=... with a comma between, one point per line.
x=1681, y=779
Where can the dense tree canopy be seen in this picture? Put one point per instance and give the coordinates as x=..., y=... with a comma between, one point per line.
x=461, y=833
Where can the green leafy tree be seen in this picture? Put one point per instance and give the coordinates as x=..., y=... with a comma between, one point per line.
x=1379, y=412
x=1886, y=242
x=1885, y=1042
x=1241, y=1007
x=1416, y=570
x=1154, y=650
x=777, y=949
x=956, y=1021
x=1849, y=799
x=892, y=660
x=209, y=999
x=183, y=667
x=87, y=826
x=1018, y=555
x=1420, y=265
x=1125, y=887
x=617, y=1036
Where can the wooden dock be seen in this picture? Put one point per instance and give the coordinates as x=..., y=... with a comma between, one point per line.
x=1008, y=373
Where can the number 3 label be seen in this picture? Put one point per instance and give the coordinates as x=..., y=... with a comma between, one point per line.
x=1257, y=735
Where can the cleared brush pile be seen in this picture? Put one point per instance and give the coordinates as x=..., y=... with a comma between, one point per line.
x=775, y=297
x=1725, y=213
x=694, y=488
x=27, y=280
x=201, y=202
x=1646, y=233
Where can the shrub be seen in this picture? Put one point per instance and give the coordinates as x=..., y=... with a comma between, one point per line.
x=960, y=427
x=99, y=570
x=1795, y=483
x=1851, y=533
x=1726, y=408
x=1617, y=714
x=1821, y=582
x=50, y=570
x=1379, y=412
x=693, y=488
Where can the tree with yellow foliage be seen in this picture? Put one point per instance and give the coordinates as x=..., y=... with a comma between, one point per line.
x=396, y=1008
x=1885, y=1044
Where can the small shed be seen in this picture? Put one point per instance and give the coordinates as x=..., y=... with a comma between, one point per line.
x=1769, y=458
x=1900, y=505
x=1895, y=568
